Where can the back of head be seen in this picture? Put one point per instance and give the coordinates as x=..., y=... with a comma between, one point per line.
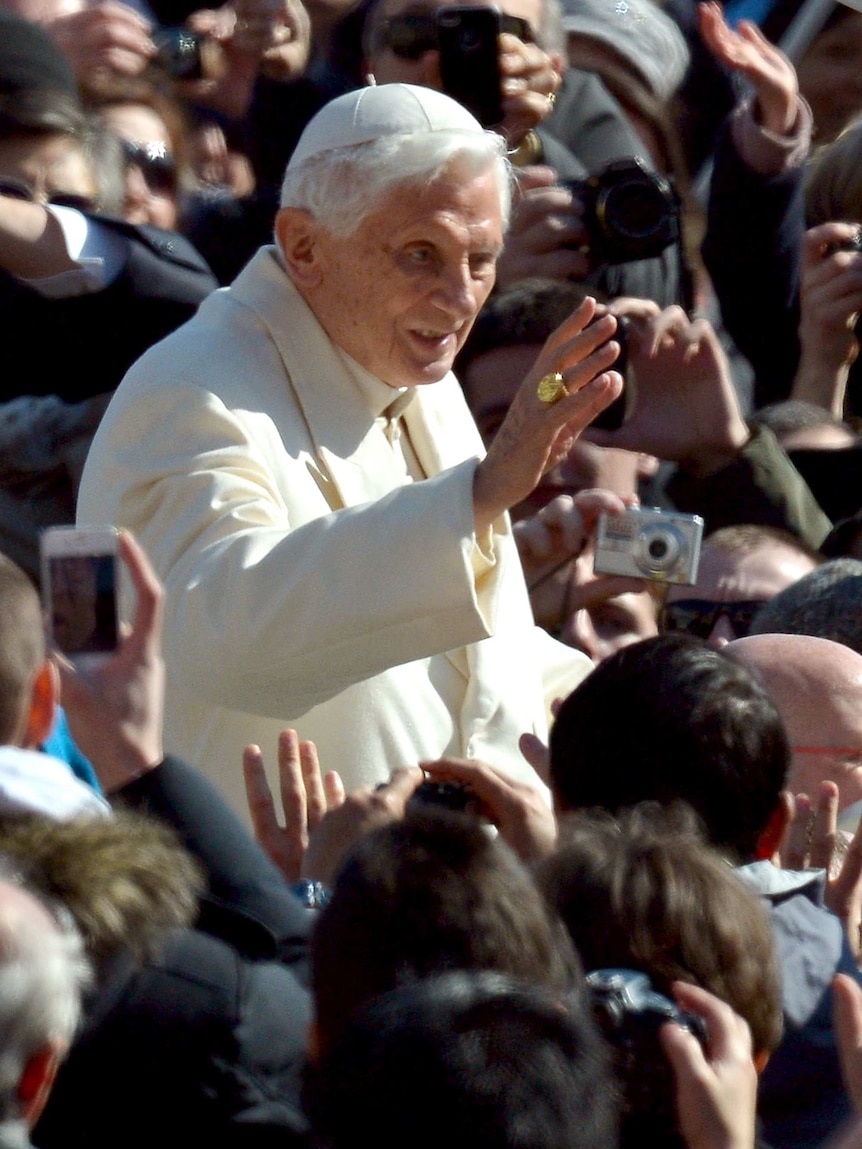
x=22, y=644
x=43, y=973
x=429, y=894
x=467, y=1060
x=126, y=880
x=827, y=603
x=646, y=893
x=672, y=719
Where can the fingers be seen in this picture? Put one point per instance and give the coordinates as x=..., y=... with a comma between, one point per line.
x=149, y=594
x=261, y=806
x=536, y=753
x=315, y=794
x=824, y=831
x=728, y=1035
x=794, y=851
x=333, y=788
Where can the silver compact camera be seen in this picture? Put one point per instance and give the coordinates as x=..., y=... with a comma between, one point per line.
x=647, y=542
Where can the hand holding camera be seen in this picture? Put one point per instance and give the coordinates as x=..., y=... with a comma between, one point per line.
x=830, y=302
x=685, y=406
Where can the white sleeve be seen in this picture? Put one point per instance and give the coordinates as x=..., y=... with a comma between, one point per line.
x=99, y=252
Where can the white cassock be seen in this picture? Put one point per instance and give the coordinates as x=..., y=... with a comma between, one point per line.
x=311, y=580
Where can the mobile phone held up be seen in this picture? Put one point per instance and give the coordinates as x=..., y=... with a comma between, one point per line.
x=470, y=62
x=79, y=588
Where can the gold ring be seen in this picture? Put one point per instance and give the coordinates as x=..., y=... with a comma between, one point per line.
x=552, y=98
x=552, y=388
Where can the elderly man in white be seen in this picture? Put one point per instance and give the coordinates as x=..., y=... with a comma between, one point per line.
x=301, y=466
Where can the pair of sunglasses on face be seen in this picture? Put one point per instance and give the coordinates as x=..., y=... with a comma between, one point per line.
x=15, y=189
x=155, y=164
x=412, y=35
x=697, y=616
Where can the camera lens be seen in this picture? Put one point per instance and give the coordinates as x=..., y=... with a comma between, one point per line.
x=657, y=549
x=634, y=209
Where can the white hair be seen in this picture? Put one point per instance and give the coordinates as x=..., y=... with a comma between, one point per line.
x=339, y=188
x=43, y=973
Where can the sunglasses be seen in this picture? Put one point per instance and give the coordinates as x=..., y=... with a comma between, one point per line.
x=16, y=190
x=411, y=36
x=698, y=616
x=155, y=164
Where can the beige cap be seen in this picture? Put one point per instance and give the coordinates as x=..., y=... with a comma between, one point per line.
x=383, y=110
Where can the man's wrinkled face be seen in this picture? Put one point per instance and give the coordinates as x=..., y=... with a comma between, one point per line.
x=401, y=294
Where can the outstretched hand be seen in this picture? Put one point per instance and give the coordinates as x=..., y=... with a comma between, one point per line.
x=115, y=708
x=321, y=823
x=748, y=52
x=813, y=842
x=535, y=436
x=306, y=797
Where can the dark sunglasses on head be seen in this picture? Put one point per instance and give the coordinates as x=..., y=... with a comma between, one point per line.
x=17, y=190
x=412, y=35
x=155, y=163
x=698, y=616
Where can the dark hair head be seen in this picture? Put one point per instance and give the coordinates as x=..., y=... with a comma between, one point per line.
x=467, y=1061
x=644, y=892
x=670, y=719
x=22, y=644
x=826, y=603
x=429, y=894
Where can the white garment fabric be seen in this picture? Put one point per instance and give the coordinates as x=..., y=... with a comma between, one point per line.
x=309, y=581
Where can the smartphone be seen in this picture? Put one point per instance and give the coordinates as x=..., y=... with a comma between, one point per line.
x=470, y=60
x=79, y=586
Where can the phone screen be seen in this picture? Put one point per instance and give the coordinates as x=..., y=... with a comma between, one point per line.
x=83, y=603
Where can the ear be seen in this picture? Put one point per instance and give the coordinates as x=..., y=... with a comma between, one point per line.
x=772, y=838
x=296, y=234
x=37, y=1079
x=760, y=1061
x=42, y=706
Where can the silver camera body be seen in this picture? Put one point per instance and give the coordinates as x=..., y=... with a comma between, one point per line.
x=647, y=542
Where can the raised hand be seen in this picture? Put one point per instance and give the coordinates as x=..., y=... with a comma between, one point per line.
x=748, y=52
x=306, y=797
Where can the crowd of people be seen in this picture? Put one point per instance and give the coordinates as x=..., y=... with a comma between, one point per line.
x=478, y=761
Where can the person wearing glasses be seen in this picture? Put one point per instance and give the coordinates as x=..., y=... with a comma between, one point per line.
x=741, y=569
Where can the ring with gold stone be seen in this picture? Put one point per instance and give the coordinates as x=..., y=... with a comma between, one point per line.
x=552, y=388
x=552, y=98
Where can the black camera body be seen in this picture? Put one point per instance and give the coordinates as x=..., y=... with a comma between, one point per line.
x=630, y=212
x=630, y=1014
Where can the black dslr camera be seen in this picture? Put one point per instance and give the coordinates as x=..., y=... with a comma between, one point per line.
x=630, y=1014
x=629, y=212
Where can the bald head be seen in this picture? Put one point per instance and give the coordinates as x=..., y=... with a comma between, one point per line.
x=816, y=686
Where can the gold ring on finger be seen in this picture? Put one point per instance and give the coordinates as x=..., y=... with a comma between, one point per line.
x=552, y=388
